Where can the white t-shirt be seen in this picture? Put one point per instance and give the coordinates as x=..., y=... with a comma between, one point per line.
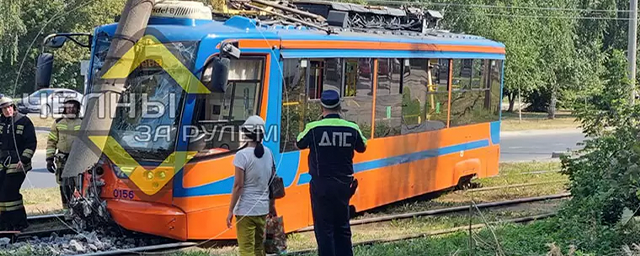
x=254, y=200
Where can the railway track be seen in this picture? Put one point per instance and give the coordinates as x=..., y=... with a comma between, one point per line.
x=180, y=245
x=173, y=245
x=35, y=220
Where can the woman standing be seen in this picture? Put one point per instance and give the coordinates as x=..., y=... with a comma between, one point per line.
x=250, y=196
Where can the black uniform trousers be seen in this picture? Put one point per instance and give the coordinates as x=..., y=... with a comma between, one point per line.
x=330, y=207
x=12, y=213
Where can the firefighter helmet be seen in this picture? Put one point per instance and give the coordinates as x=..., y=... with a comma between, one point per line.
x=6, y=101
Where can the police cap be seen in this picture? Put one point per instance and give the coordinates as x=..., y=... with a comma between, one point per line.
x=330, y=99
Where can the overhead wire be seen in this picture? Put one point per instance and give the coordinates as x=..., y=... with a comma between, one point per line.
x=511, y=8
x=497, y=6
x=542, y=17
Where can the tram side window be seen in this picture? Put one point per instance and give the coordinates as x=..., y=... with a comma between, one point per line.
x=495, y=84
x=424, y=96
x=357, y=104
x=329, y=79
x=293, y=102
x=437, y=101
x=474, y=104
x=388, y=98
x=218, y=116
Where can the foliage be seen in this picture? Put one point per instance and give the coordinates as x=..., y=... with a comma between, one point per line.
x=604, y=176
x=27, y=22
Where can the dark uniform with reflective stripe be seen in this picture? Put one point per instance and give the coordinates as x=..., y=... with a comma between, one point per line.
x=331, y=142
x=12, y=212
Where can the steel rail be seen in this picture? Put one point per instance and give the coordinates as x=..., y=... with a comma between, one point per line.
x=178, y=245
x=515, y=186
x=437, y=232
x=167, y=246
x=447, y=210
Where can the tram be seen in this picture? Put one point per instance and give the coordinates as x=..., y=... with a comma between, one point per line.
x=427, y=100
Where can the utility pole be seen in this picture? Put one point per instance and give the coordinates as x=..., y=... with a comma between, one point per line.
x=633, y=38
x=131, y=27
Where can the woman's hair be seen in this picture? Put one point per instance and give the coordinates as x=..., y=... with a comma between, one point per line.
x=256, y=136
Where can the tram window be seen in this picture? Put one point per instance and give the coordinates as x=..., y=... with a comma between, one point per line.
x=477, y=104
x=293, y=102
x=478, y=74
x=357, y=97
x=316, y=78
x=495, y=84
x=462, y=73
x=388, y=98
x=218, y=116
x=333, y=72
x=437, y=100
x=414, y=93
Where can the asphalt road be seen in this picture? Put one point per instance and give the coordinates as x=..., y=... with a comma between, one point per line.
x=537, y=145
x=515, y=146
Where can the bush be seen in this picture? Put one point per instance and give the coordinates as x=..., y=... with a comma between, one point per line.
x=604, y=175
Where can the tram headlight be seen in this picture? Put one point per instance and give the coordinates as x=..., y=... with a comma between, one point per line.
x=149, y=175
x=122, y=172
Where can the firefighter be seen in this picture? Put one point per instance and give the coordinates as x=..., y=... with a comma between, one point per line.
x=18, y=144
x=63, y=132
x=332, y=142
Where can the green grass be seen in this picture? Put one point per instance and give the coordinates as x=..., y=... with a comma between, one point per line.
x=41, y=200
x=510, y=174
x=39, y=121
x=399, y=228
x=537, y=121
x=42, y=140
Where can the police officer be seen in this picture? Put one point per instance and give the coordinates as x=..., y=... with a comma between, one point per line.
x=332, y=142
x=17, y=144
x=63, y=132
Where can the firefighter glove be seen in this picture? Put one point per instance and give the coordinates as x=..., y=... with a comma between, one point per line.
x=50, y=166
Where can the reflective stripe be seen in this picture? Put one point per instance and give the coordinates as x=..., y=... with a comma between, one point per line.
x=13, y=208
x=11, y=203
x=53, y=136
x=29, y=151
x=18, y=131
x=27, y=154
x=19, y=127
x=76, y=128
x=334, y=122
x=13, y=168
x=49, y=150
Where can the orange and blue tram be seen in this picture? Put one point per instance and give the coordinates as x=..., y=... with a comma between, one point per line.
x=429, y=104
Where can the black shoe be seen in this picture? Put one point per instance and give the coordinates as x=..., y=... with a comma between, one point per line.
x=20, y=227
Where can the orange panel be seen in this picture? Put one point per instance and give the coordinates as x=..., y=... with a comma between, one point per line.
x=150, y=218
x=207, y=214
x=204, y=172
x=116, y=188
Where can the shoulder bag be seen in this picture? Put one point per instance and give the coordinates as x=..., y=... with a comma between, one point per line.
x=276, y=185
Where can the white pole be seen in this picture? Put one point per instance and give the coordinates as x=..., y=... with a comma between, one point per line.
x=633, y=36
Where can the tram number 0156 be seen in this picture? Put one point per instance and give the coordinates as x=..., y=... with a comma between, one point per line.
x=123, y=193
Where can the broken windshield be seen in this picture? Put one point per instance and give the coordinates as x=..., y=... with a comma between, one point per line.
x=148, y=114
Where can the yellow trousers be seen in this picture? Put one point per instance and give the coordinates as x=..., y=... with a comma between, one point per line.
x=250, y=231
